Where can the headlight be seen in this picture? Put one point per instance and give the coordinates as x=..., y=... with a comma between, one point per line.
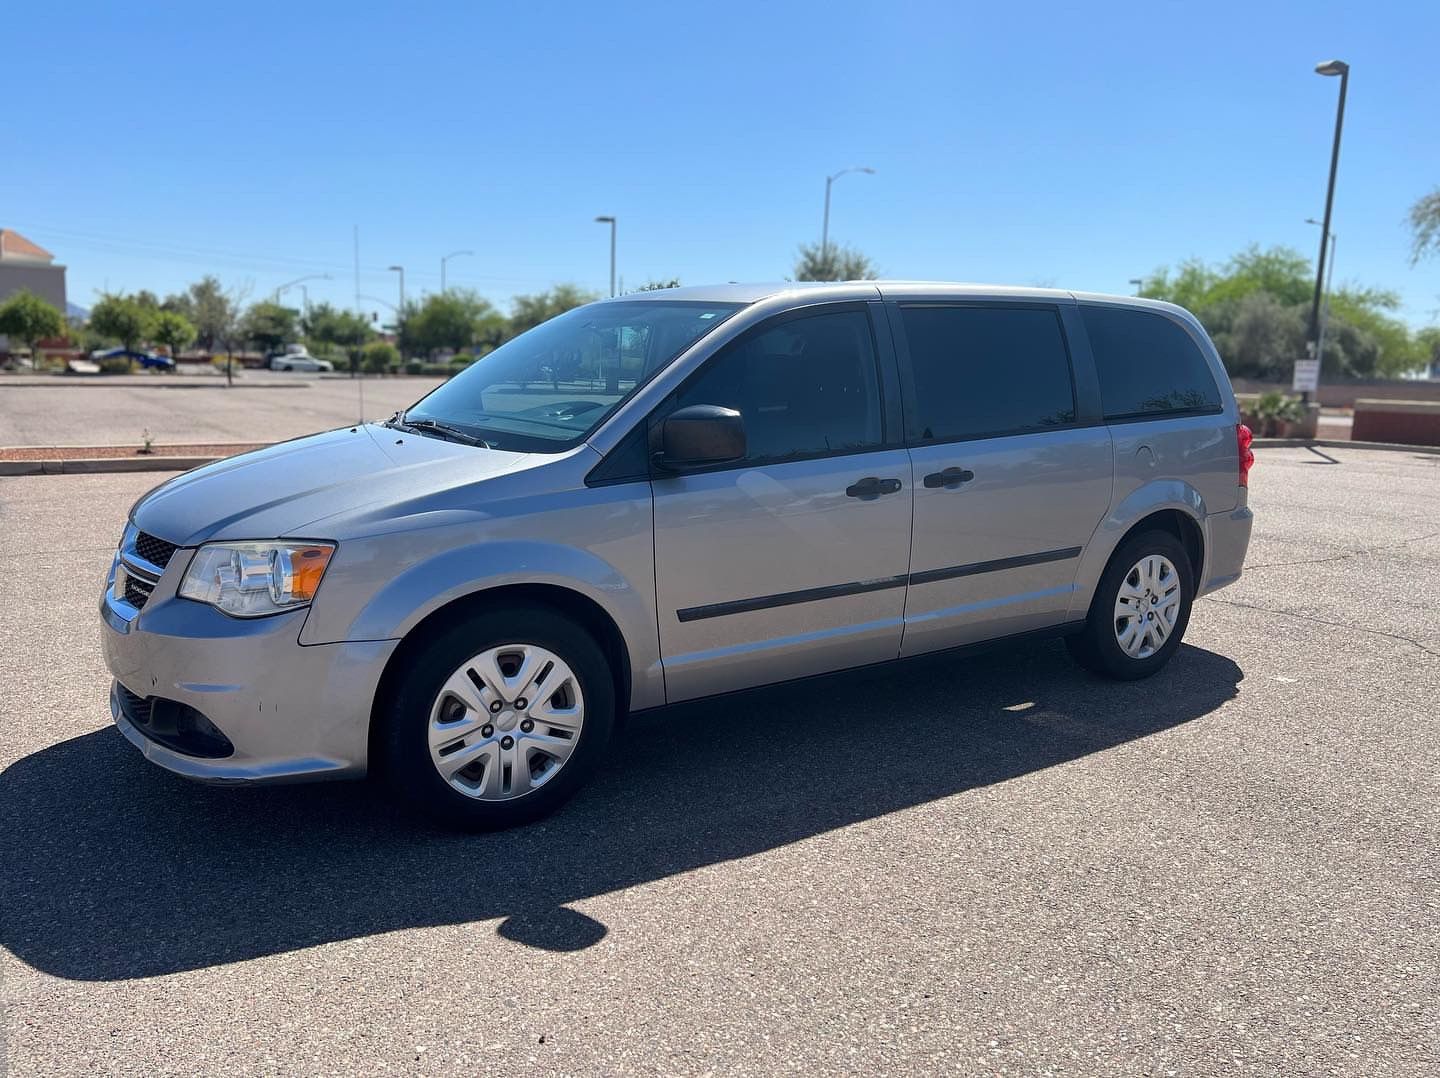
x=250, y=580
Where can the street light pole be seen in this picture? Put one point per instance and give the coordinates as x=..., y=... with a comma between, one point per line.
x=1329, y=281
x=301, y=280
x=447, y=258
x=400, y=270
x=1329, y=68
x=1139, y=283
x=825, y=226
x=611, y=222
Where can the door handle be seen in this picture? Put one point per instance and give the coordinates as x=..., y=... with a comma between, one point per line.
x=871, y=487
x=950, y=478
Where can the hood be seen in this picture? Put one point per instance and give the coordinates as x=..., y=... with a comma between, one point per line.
x=275, y=492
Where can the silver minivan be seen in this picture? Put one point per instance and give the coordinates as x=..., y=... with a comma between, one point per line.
x=667, y=496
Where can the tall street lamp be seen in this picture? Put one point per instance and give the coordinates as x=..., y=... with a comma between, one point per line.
x=447, y=258
x=1329, y=68
x=1329, y=281
x=301, y=280
x=400, y=270
x=829, y=180
x=1139, y=283
x=611, y=222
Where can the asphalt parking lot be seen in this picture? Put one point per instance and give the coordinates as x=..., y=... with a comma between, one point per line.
x=989, y=864
x=262, y=406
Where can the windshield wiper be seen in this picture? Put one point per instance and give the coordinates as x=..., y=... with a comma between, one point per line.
x=444, y=430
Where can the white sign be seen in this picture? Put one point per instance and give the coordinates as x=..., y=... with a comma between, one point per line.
x=1307, y=376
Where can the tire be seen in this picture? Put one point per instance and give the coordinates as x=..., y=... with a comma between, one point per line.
x=461, y=667
x=1098, y=647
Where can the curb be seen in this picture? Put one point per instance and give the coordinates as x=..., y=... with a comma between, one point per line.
x=1337, y=443
x=101, y=382
x=96, y=465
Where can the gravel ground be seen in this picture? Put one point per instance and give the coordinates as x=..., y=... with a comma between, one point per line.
x=98, y=452
x=266, y=406
x=986, y=865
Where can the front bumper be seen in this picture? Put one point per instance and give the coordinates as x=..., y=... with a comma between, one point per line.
x=292, y=713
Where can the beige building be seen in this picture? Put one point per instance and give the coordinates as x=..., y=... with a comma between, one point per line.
x=27, y=265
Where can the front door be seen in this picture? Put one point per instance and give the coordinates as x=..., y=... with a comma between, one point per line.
x=1010, y=479
x=794, y=560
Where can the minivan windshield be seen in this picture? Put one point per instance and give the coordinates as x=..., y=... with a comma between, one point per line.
x=547, y=389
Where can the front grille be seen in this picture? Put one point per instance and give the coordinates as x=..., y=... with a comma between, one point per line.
x=156, y=551
x=137, y=590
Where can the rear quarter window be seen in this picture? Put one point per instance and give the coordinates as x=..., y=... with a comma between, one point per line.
x=1148, y=365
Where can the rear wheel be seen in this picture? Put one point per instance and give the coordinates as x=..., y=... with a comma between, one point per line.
x=499, y=719
x=1140, y=609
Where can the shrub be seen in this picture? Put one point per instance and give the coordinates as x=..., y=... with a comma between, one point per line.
x=1274, y=409
x=378, y=357
x=414, y=367
x=116, y=365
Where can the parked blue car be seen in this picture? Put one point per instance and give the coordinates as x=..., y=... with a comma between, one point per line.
x=147, y=360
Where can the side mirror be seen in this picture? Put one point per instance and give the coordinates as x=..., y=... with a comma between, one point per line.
x=699, y=435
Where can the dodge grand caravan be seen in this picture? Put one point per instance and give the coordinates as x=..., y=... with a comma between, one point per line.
x=667, y=496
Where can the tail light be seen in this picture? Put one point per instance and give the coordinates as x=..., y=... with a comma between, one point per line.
x=1243, y=438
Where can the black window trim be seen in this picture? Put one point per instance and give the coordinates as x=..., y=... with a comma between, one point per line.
x=1168, y=413
x=907, y=372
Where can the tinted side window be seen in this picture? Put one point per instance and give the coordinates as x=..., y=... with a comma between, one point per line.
x=806, y=387
x=1147, y=364
x=982, y=371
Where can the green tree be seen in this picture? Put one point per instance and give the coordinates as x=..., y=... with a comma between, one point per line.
x=1256, y=307
x=657, y=285
x=1425, y=224
x=1282, y=272
x=268, y=326
x=172, y=330
x=211, y=310
x=527, y=312
x=122, y=318
x=833, y=263
x=450, y=320
x=28, y=318
x=327, y=327
x=1258, y=336
x=1428, y=340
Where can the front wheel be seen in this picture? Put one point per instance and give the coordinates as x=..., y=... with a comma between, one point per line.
x=499, y=719
x=1140, y=609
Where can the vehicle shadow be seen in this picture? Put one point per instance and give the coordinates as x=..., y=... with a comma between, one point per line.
x=114, y=869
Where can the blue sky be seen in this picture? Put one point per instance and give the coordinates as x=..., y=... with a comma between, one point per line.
x=1069, y=145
